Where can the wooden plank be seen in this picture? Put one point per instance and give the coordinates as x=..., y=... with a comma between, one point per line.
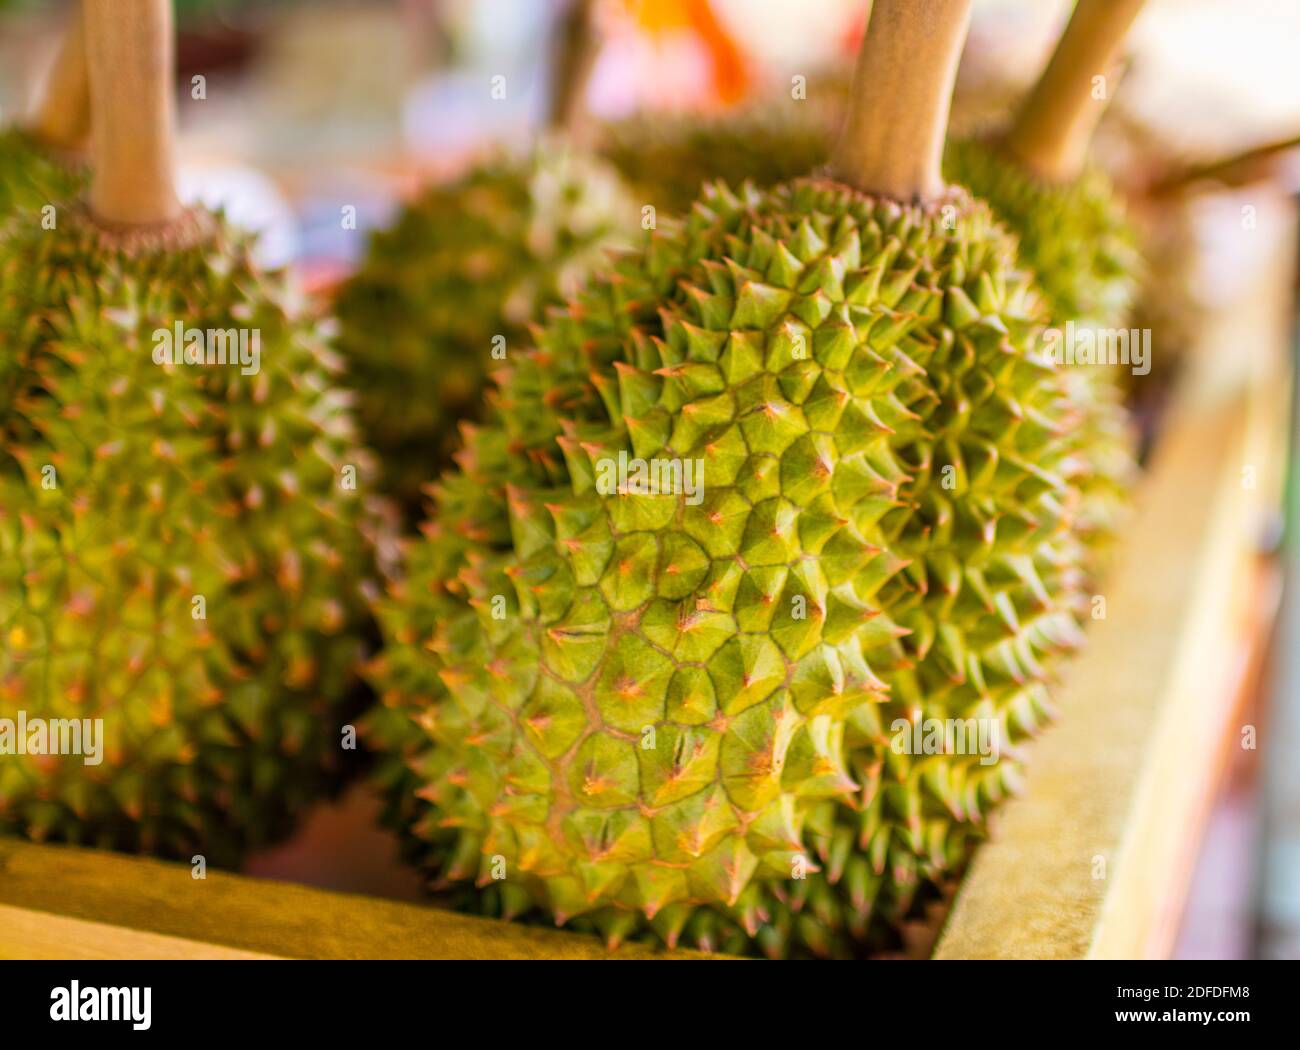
x=130, y=907
x=1093, y=860
x=1058, y=860
x=39, y=935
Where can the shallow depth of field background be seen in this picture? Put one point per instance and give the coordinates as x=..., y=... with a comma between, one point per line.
x=316, y=104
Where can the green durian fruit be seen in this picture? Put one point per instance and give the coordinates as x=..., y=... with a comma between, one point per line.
x=452, y=286
x=630, y=708
x=32, y=176
x=181, y=560
x=668, y=159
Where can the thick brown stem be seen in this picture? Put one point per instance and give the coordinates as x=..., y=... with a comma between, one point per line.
x=1054, y=128
x=573, y=58
x=62, y=115
x=130, y=51
x=892, y=142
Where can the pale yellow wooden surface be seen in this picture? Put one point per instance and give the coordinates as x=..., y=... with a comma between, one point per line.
x=39, y=935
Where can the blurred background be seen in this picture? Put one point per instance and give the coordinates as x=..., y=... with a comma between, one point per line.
x=306, y=103
x=293, y=109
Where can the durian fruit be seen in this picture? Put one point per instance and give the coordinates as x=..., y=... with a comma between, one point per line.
x=448, y=291
x=181, y=558
x=669, y=159
x=650, y=713
x=1076, y=236
x=41, y=163
x=30, y=176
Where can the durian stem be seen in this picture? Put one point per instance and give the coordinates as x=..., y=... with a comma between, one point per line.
x=130, y=51
x=62, y=115
x=1054, y=127
x=574, y=57
x=1238, y=169
x=892, y=142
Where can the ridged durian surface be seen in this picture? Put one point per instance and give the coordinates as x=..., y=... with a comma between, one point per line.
x=180, y=545
x=884, y=448
x=463, y=264
x=1083, y=250
x=31, y=178
x=669, y=159
x=1076, y=237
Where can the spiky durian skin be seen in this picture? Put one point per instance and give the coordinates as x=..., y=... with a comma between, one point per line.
x=668, y=160
x=937, y=601
x=180, y=545
x=464, y=265
x=1076, y=237
x=1084, y=252
x=32, y=177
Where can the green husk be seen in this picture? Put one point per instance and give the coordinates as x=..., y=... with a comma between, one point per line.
x=447, y=293
x=923, y=352
x=33, y=177
x=668, y=159
x=181, y=548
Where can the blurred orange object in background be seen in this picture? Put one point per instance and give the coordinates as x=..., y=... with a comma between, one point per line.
x=666, y=17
